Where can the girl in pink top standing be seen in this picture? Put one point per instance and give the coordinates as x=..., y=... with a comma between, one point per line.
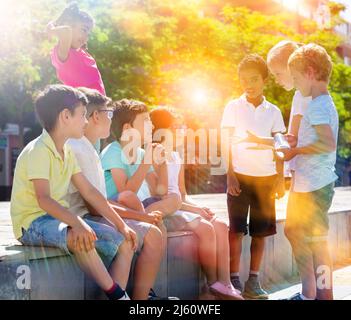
x=74, y=65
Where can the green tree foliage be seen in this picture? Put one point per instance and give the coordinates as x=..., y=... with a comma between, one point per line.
x=181, y=53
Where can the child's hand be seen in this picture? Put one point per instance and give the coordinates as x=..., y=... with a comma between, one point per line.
x=130, y=235
x=292, y=140
x=288, y=153
x=159, y=154
x=154, y=217
x=83, y=236
x=206, y=213
x=251, y=137
x=49, y=29
x=233, y=185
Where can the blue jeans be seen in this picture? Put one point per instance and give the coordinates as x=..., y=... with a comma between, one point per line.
x=49, y=232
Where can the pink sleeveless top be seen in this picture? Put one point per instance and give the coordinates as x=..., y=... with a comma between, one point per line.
x=79, y=70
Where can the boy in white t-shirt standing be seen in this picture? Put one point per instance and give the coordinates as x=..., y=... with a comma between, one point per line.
x=254, y=178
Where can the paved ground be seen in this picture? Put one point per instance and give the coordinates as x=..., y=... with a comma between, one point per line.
x=341, y=281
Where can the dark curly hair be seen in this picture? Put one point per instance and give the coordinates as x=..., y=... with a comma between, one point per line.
x=256, y=62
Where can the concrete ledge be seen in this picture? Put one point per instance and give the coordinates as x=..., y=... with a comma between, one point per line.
x=56, y=276
x=279, y=265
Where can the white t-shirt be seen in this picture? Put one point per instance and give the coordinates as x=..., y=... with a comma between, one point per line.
x=173, y=167
x=90, y=164
x=298, y=107
x=262, y=121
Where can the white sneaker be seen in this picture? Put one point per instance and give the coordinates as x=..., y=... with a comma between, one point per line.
x=225, y=292
x=125, y=297
x=231, y=287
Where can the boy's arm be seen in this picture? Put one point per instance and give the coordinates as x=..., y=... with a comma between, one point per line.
x=295, y=124
x=51, y=206
x=98, y=201
x=158, y=180
x=153, y=217
x=64, y=35
x=187, y=205
x=233, y=186
x=83, y=236
x=325, y=143
x=251, y=137
x=123, y=183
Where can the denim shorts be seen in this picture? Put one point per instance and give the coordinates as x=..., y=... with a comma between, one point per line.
x=49, y=232
x=141, y=228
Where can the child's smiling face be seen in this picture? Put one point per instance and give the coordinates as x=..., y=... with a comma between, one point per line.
x=252, y=82
x=302, y=82
x=80, y=34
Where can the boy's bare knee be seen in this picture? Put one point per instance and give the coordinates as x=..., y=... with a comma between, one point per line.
x=205, y=229
x=234, y=236
x=220, y=226
x=153, y=238
x=292, y=235
x=175, y=201
x=126, y=248
x=126, y=196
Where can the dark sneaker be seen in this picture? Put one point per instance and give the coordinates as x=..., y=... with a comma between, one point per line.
x=154, y=296
x=236, y=283
x=296, y=296
x=253, y=289
x=125, y=297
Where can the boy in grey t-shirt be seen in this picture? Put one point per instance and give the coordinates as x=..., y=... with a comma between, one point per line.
x=313, y=183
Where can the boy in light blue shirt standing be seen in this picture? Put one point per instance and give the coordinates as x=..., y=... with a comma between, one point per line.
x=313, y=181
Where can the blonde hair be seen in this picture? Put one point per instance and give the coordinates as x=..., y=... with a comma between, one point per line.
x=315, y=57
x=281, y=52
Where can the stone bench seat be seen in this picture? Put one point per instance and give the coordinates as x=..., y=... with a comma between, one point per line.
x=55, y=275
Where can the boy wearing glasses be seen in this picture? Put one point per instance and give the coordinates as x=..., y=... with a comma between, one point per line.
x=99, y=114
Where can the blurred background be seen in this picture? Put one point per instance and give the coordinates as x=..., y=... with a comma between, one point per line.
x=180, y=53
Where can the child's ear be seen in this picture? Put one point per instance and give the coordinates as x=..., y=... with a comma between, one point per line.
x=65, y=115
x=310, y=72
x=126, y=126
x=95, y=115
